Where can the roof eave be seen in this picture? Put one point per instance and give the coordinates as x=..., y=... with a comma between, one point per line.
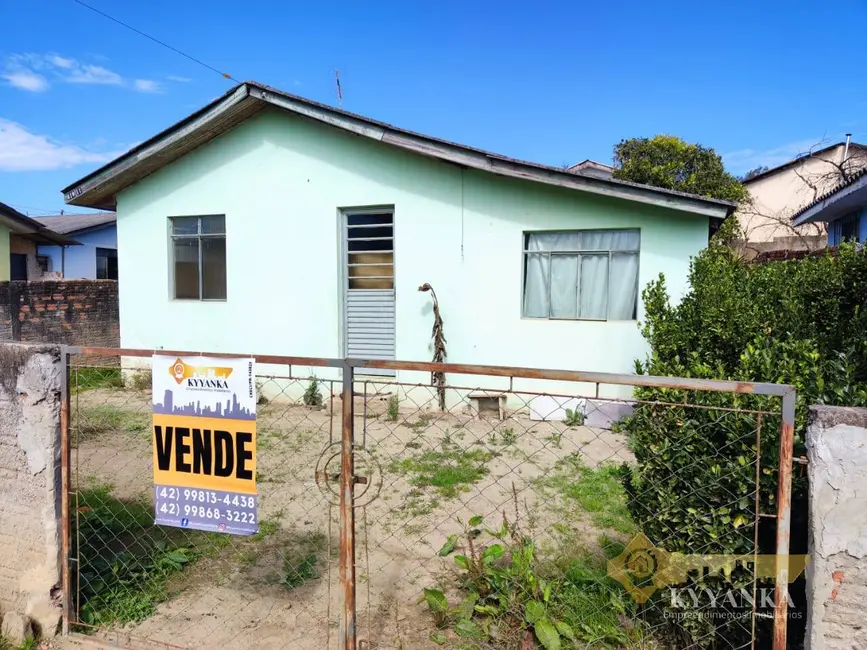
x=49, y=238
x=815, y=212
x=86, y=192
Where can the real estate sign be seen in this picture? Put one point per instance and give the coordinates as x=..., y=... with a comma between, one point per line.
x=204, y=439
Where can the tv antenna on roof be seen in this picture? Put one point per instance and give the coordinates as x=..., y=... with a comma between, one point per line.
x=339, y=89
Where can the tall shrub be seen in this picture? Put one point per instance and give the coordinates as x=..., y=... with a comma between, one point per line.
x=800, y=322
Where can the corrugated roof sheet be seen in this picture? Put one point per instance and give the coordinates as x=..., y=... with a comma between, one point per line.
x=30, y=228
x=72, y=223
x=99, y=188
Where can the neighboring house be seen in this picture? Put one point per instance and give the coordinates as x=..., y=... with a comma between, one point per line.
x=593, y=168
x=842, y=209
x=269, y=223
x=96, y=258
x=779, y=193
x=19, y=237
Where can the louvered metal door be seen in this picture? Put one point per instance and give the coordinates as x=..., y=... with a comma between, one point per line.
x=369, y=291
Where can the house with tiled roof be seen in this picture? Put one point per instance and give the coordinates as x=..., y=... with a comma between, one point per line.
x=778, y=194
x=96, y=258
x=842, y=210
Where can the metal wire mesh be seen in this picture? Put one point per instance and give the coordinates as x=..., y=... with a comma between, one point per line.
x=191, y=589
x=501, y=521
x=521, y=514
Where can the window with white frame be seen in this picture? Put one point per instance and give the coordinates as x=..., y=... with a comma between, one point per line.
x=581, y=274
x=198, y=257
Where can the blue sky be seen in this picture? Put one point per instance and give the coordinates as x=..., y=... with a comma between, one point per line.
x=551, y=82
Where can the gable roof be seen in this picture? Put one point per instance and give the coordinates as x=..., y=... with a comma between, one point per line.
x=31, y=229
x=800, y=159
x=99, y=189
x=76, y=223
x=592, y=168
x=839, y=200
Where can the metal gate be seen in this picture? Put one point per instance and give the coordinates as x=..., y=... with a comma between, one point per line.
x=502, y=521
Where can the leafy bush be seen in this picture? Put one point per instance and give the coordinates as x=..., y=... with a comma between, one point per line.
x=573, y=418
x=800, y=322
x=393, y=409
x=141, y=380
x=513, y=595
x=126, y=561
x=89, y=378
x=312, y=396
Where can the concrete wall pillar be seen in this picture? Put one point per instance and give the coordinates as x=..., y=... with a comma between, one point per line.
x=30, y=486
x=837, y=574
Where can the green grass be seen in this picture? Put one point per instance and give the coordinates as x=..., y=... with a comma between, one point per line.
x=125, y=561
x=589, y=601
x=30, y=644
x=267, y=527
x=90, y=378
x=393, y=410
x=505, y=576
x=141, y=380
x=301, y=558
x=596, y=491
x=449, y=471
x=90, y=421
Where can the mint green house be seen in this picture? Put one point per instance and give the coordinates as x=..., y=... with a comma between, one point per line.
x=270, y=224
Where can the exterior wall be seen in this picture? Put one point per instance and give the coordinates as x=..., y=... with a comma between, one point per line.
x=26, y=247
x=837, y=573
x=281, y=180
x=83, y=312
x=777, y=196
x=835, y=230
x=4, y=253
x=30, y=389
x=80, y=262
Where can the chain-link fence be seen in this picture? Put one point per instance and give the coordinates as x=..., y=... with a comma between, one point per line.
x=500, y=508
x=176, y=587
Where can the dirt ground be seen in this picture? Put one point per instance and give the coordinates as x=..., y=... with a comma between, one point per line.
x=245, y=594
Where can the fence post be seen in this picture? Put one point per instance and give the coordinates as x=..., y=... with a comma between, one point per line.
x=65, y=482
x=784, y=520
x=347, y=514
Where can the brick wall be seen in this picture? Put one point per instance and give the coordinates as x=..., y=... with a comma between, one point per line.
x=71, y=312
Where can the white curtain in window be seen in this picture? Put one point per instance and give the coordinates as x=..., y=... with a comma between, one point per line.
x=594, y=287
x=582, y=285
x=623, y=286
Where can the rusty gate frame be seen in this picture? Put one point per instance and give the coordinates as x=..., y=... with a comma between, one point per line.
x=347, y=633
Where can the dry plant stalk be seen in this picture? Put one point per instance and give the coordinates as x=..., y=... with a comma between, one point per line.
x=437, y=379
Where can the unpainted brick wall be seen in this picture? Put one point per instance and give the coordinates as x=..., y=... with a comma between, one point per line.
x=70, y=312
x=30, y=487
x=837, y=574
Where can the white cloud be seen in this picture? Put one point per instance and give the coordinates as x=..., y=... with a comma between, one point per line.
x=26, y=80
x=742, y=161
x=61, y=62
x=147, y=86
x=21, y=150
x=182, y=80
x=36, y=72
x=91, y=74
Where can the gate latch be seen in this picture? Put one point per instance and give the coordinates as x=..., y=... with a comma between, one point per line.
x=335, y=478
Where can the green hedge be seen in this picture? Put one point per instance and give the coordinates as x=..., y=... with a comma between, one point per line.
x=800, y=322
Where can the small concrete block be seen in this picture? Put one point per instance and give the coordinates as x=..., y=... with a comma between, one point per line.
x=16, y=628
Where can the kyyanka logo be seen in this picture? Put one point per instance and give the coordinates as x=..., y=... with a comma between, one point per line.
x=643, y=568
x=200, y=376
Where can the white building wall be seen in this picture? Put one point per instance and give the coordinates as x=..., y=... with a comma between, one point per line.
x=281, y=180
